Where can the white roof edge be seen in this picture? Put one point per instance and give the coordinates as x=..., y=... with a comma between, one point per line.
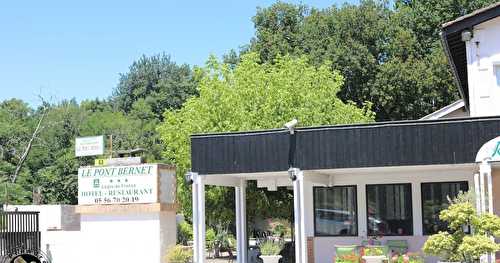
x=445, y=110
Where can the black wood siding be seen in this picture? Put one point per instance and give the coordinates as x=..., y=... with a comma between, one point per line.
x=352, y=146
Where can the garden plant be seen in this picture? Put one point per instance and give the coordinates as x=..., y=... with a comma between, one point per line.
x=469, y=235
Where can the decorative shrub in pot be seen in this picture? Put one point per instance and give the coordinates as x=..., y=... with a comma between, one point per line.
x=458, y=244
x=270, y=252
x=374, y=255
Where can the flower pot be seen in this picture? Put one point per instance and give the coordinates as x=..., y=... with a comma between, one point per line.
x=271, y=259
x=374, y=259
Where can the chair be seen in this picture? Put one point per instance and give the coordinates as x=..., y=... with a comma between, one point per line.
x=398, y=246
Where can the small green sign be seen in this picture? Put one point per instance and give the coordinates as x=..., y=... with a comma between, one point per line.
x=99, y=162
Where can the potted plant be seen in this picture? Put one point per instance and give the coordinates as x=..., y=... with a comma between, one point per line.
x=407, y=258
x=179, y=254
x=374, y=255
x=270, y=252
x=469, y=235
x=349, y=258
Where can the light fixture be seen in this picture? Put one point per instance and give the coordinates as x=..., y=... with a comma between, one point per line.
x=466, y=35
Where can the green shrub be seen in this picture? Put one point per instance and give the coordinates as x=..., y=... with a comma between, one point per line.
x=179, y=254
x=184, y=233
x=210, y=237
x=407, y=258
x=269, y=248
x=459, y=245
x=374, y=251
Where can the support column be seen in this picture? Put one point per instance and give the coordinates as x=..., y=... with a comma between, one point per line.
x=298, y=203
x=486, y=197
x=241, y=222
x=194, y=189
x=198, y=217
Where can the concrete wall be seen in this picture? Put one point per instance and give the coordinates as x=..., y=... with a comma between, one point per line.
x=324, y=246
x=52, y=217
x=483, y=56
x=124, y=238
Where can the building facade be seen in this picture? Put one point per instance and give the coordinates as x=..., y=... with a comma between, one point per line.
x=387, y=180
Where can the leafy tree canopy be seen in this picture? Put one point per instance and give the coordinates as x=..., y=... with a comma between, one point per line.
x=253, y=95
x=390, y=56
x=154, y=84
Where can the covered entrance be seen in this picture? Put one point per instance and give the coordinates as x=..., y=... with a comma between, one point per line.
x=403, y=164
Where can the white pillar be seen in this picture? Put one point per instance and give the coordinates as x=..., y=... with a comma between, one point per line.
x=489, y=179
x=477, y=193
x=198, y=218
x=303, y=241
x=194, y=189
x=298, y=205
x=484, y=174
x=241, y=222
x=486, y=189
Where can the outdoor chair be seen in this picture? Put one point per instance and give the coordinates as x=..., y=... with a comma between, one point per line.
x=398, y=246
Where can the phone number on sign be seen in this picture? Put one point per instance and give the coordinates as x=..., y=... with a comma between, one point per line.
x=114, y=200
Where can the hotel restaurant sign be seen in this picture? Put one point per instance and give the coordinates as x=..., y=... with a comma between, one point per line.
x=118, y=184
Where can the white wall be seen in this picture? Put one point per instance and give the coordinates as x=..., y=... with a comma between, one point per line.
x=483, y=53
x=324, y=246
x=124, y=238
x=52, y=217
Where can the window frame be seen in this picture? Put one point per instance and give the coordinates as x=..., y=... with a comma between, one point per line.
x=422, y=198
x=496, y=66
x=355, y=207
x=411, y=211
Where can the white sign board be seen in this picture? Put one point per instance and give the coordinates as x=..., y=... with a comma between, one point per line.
x=489, y=151
x=118, y=184
x=88, y=146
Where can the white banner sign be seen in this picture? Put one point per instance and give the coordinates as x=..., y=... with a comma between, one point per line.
x=89, y=146
x=490, y=151
x=118, y=184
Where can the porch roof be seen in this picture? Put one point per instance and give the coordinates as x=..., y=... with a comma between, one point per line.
x=382, y=144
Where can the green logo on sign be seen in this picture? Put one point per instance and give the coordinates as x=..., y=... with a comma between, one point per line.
x=96, y=183
x=497, y=150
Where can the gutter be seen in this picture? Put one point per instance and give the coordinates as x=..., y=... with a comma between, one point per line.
x=447, y=52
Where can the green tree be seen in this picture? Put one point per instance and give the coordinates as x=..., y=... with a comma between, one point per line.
x=254, y=95
x=390, y=56
x=156, y=81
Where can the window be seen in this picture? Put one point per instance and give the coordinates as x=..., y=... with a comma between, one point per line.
x=389, y=210
x=434, y=199
x=335, y=211
x=496, y=68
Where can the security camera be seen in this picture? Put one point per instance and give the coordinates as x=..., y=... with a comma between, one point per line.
x=291, y=125
x=292, y=173
x=189, y=178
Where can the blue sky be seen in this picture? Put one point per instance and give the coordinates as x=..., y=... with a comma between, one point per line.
x=68, y=49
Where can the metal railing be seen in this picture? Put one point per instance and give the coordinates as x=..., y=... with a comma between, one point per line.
x=19, y=231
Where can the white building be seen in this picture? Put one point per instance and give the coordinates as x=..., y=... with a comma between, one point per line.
x=391, y=178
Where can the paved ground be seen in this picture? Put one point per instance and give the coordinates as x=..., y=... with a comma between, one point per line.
x=224, y=259
x=219, y=260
